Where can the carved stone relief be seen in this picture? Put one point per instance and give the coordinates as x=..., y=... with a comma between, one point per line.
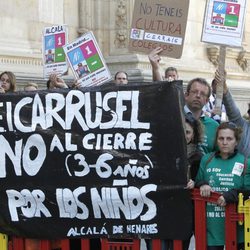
x=241, y=56
x=213, y=55
x=242, y=60
x=121, y=36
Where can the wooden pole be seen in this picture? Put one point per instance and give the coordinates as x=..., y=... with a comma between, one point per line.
x=219, y=86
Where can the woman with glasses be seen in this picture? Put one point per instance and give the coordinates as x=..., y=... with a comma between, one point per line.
x=225, y=171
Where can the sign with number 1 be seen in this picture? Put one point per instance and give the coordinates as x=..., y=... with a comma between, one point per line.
x=54, y=59
x=224, y=22
x=86, y=61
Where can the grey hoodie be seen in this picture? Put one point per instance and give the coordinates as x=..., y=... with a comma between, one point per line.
x=234, y=116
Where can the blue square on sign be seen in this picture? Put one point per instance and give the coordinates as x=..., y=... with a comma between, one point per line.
x=220, y=7
x=75, y=56
x=49, y=42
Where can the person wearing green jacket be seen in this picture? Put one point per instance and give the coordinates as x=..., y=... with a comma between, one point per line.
x=225, y=171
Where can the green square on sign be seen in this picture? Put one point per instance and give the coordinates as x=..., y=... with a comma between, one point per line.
x=94, y=62
x=231, y=21
x=59, y=55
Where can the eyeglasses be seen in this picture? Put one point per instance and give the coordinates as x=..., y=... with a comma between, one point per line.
x=196, y=93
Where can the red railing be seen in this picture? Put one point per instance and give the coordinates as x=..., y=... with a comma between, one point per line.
x=231, y=220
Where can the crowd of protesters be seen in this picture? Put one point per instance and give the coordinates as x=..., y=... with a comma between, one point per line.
x=213, y=146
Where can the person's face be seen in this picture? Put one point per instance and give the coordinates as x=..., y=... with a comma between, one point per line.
x=226, y=141
x=189, y=133
x=171, y=75
x=5, y=82
x=30, y=88
x=197, y=96
x=121, y=78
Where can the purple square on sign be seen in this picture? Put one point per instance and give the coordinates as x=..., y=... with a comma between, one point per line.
x=60, y=40
x=88, y=49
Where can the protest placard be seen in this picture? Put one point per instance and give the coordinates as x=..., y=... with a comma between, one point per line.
x=223, y=25
x=224, y=22
x=86, y=61
x=110, y=161
x=54, y=59
x=159, y=23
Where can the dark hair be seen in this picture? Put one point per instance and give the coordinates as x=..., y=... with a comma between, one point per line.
x=121, y=72
x=12, y=79
x=171, y=69
x=232, y=126
x=48, y=84
x=201, y=81
x=196, y=125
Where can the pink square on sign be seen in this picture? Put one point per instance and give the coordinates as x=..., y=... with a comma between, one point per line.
x=233, y=9
x=88, y=49
x=59, y=40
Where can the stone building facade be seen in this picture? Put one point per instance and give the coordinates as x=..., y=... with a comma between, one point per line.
x=22, y=22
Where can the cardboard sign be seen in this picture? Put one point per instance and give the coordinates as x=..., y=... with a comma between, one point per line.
x=86, y=61
x=54, y=59
x=224, y=22
x=107, y=162
x=159, y=23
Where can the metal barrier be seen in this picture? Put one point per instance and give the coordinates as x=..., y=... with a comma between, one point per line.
x=232, y=217
x=3, y=241
x=21, y=244
x=106, y=244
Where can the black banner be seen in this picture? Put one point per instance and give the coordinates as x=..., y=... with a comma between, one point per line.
x=106, y=161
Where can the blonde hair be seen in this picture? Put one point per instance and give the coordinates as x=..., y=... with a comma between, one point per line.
x=31, y=84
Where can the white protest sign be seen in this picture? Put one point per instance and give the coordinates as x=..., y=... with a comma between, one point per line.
x=54, y=59
x=224, y=22
x=86, y=61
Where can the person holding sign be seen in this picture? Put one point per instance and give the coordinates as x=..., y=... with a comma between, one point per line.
x=197, y=95
x=234, y=115
x=171, y=73
x=225, y=171
x=56, y=82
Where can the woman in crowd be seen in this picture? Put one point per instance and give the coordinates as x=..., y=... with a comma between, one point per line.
x=225, y=171
x=7, y=82
x=194, y=133
x=235, y=116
